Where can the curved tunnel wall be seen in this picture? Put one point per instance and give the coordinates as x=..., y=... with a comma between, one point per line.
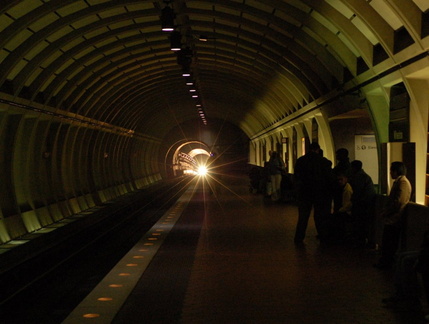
x=267, y=69
x=53, y=166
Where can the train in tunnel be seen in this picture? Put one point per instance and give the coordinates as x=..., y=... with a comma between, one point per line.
x=96, y=103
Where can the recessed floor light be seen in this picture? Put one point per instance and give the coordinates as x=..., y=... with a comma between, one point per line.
x=91, y=315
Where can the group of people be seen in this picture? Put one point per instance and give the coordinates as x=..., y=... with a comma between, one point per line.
x=346, y=187
x=353, y=200
x=343, y=200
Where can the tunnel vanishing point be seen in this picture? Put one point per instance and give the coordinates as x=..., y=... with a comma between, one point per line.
x=97, y=101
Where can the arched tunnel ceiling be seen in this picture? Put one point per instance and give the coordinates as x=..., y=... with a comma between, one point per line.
x=262, y=61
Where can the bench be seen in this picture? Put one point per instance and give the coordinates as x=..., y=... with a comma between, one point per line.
x=416, y=221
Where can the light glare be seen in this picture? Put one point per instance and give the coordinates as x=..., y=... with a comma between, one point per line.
x=202, y=170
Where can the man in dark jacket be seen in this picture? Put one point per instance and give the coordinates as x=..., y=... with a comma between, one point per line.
x=363, y=201
x=314, y=183
x=343, y=162
x=341, y=168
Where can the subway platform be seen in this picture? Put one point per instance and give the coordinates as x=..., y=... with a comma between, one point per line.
x=228, y=257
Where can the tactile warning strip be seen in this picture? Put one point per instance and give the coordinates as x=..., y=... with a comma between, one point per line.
x=103, y=303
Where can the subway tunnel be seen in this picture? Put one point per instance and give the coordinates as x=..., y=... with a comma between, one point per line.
x=98, y=103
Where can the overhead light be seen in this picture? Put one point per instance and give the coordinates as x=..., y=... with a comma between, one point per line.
x=167, y=19
x=190, y=81
x=176, y=41
x=186, y=72
x=205, y=38
x=195, y=96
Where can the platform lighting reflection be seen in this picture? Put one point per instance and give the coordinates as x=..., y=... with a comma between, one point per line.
x=91, y=315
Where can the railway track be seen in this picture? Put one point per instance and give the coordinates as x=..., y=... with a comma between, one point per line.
x=47, y=284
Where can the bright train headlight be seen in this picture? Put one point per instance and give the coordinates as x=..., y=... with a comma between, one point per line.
x=202, y=170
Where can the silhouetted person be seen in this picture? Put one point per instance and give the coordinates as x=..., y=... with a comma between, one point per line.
x=342, y=167
x=347, y=193
x=363, y=202
x=343, y=163
x=275, y=167
x=313, y=179
x=392, y=215
x=336, y=224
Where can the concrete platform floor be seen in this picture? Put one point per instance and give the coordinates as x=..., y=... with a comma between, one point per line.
x=240, y=265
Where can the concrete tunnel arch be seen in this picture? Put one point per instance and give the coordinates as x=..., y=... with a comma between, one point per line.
x=83, y=95
x=173, y=155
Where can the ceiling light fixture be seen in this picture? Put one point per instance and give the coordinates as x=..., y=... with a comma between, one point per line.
x=167, y=18
x=186, y=72
x=176, y=41
x=205, y=38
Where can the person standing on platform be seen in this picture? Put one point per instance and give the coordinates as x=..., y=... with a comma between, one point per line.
x=341, y=168
x=343, y=162
x=399, y=197
x=335, y=229
x=276, y=167
x=314, y=182
x=363, y=202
